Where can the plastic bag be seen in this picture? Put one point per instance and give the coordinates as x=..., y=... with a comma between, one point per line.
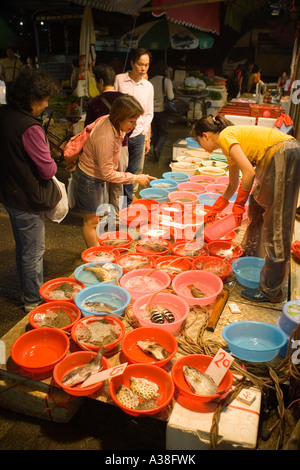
x=59, y=212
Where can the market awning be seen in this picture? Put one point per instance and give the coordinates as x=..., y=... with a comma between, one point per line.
x=203, y=15
x=199, y=14
x=127, y=7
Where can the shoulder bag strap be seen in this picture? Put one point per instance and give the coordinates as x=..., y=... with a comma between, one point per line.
x=163, y=85
x=104, y=100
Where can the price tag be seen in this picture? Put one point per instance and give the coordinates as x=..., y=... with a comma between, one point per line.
x=105, y=374
x=219, y=365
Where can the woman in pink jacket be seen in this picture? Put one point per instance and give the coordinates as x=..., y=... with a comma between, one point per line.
x=99, y=160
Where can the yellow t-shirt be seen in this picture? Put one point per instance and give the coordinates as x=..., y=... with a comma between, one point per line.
x=253, y=140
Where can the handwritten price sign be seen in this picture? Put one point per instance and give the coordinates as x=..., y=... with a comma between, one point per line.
x=104, y=375
x=219, y=366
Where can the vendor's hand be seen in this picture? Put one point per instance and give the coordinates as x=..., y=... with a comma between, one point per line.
x=143, y=180
x=239, y=205
x=210, y=216
x=238, y=211
x=71, y=166
x=220, y=204
x=147, y=146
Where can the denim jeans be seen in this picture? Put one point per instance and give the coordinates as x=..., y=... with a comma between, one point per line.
x=29, y=234
x=135, y=154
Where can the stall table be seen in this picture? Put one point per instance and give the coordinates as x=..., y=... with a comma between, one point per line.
x=186, y=429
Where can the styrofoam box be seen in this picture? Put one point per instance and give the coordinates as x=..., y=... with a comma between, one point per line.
x=238, y=427
x=179, y=148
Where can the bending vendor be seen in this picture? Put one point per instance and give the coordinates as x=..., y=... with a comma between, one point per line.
x=272, y=158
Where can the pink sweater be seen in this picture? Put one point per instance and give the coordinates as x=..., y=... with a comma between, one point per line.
x=101, y=154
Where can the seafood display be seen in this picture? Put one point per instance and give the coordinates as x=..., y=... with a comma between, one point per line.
x=145, y=284
x=138, y=261
x=143, y=388
x=81, y=373
x=153, y=349
x=226, y=253
x=56, y=319
x=141, y=395
x=183, y=199
x=199, y=382
x=157, y=314
x=170, y=267
x=64, y=291
x=102, y=307
x=152, y=245
x=115, y=241
x=162, y=185
x=196, y=292
x=97, y=333
x=104, y=273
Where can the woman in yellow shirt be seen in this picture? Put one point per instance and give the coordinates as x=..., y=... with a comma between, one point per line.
x=272, y=158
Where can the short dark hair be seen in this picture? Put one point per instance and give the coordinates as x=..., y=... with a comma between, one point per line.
x=30, y=85
x=161, y=68
x=124, y=107
x=137, y=53
x=106, y=73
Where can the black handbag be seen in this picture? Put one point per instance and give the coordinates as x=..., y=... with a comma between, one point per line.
x=169, y=105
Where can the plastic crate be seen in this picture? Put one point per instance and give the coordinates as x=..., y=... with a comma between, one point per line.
x=258, y=110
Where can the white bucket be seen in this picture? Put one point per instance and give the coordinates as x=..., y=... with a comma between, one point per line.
x=211, y=171
x=184, y=167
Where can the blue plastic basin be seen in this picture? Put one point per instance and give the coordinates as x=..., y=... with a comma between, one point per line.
x=254, y=341
x=156, y=184
x=208, y=199
x=89, y=278
x=176, y=176
x=247, y=270
x=159, y=195
x=116, y=296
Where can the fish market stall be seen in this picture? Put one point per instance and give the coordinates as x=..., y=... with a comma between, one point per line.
x=202, y=94
x=141, y=297
x=191, y=425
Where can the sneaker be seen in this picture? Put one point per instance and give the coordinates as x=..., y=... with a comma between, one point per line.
x=256, y=296
x=29, y=307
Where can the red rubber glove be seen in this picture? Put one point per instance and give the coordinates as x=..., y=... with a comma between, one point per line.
x=239, y=205
x=220, y=204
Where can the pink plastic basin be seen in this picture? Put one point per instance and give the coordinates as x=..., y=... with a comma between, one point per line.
x=183, y=197
x=202, y=179
x=175, y=304
x=220, y=228
x=208, y=283
x=189, y=186
x=140, y=282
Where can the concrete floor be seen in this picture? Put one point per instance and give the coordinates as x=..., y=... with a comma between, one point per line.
x=96, y=426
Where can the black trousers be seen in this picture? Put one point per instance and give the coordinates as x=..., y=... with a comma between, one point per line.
x=159, y=128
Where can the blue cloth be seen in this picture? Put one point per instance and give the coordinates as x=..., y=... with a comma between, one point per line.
x=135, y=154
x=29, y=234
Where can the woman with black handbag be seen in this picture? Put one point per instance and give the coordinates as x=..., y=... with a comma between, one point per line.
x=160, y=124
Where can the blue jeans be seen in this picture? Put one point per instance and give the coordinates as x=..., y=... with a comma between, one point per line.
x=135, y=153
x=29, y=234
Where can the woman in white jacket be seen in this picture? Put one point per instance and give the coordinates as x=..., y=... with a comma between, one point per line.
x=160, y=123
